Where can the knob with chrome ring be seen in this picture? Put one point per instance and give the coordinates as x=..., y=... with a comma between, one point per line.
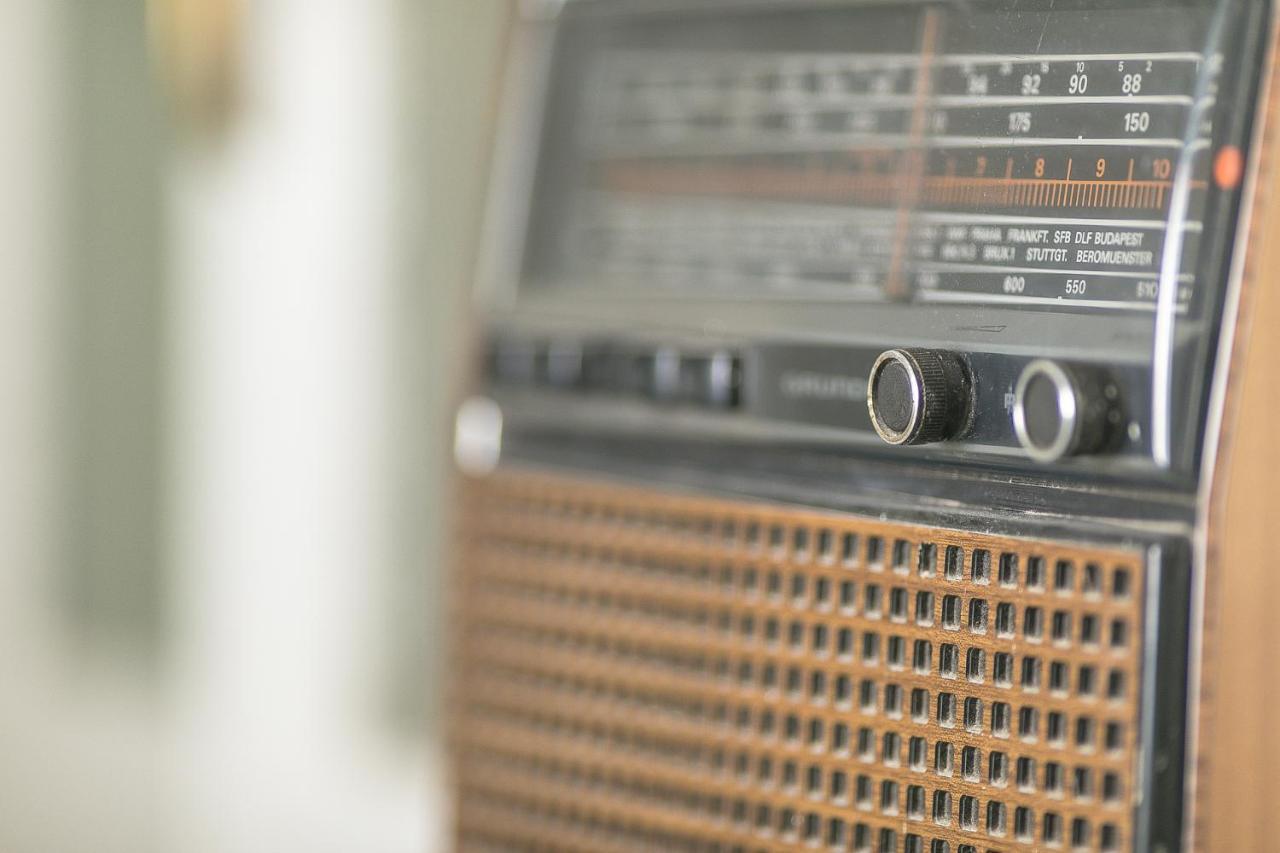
x=1065, y=410
x=919, y=396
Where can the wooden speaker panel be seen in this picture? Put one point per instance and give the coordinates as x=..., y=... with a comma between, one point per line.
x=645, y=670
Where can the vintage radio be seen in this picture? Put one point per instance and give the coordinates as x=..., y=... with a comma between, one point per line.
x=872, y=447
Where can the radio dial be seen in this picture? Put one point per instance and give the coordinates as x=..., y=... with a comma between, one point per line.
x=1062, y=410
x=919, y=396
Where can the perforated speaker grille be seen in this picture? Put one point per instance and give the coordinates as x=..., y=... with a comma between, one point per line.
x=638, y=670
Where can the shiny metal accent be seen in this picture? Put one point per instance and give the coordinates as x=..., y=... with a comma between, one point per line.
x=1069, y=407
x=477, y=436
x=722, y=379
x=886, y=432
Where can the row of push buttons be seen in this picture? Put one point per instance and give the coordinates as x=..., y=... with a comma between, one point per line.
x=711, y=378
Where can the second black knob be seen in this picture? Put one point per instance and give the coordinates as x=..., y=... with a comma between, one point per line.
x=919, y=396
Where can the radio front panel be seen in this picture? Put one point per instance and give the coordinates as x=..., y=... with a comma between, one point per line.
x=798, y=190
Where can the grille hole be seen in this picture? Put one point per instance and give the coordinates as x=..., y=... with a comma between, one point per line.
x=871, y=600
x=917, y=753
x=822, y=592
x=970, y=759
x=1002, y=669
x=954, y=563
x=1009, y=570
x=978, y=616
x=1061, y=627
x=866, y=744
x=1058, y=677
x=844, y=643
x=975, y=665
x=839, y=785
x=840, y=738
x=862, y=791
x=973, y=714
x=995, y=817
x=924, y=608
x=777, y=539
x=898, y=597
x=1026, y=774
x=948, y=660
x=1023, y=821
x=1000, y=714
x=1031, y=673
x=1035, y=573
x=1052, y=828
x=1033, y=623
x=1115, y=684
x=1092, y=582
x=849, y=549
x=1028, y=723
x=915, y=802
x=1119, y=633
x=800, y=543
x=951, y=612
x=943, y=759
x=826, y=545
x=893, y=701
x=1086, y=680
x=799, y=591
x=1053, y=777
x=1083, y=788
x=946, y=709
x=981, y=566
x=927, y=559
x=901, y=555
x=922, y=657
x=848, y=596
x=920, y=705
x=941, y=808
x=1064, y=576
x=875, y=551
x=889, y=797
x=1006, y=620
x=998, y=768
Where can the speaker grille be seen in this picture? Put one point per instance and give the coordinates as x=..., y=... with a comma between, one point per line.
x=640, y=670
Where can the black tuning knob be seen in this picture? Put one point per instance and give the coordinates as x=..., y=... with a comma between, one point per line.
x=1062, y=410
x=919, y=396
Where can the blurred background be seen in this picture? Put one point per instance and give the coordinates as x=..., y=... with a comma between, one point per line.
x=235, y=242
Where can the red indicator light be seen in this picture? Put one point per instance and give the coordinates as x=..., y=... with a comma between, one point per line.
x=1228, y=167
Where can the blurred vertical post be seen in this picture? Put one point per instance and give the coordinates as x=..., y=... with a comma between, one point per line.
x=452, y=82
x=80, y=442
x=112, y=528
x=286, y=463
